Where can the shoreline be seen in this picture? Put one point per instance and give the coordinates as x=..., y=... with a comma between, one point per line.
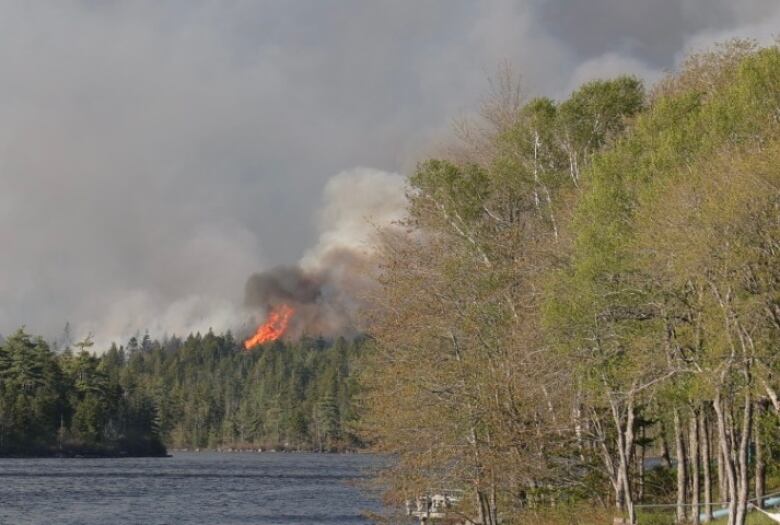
x=82, y=453
x=261, y=450
x=79, y=455
x=98, y=453
x=92, y=454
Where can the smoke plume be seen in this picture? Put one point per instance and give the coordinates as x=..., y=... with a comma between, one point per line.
x=326, y=286
x=157, y=153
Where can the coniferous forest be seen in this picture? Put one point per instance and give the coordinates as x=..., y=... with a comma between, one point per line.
x=201, y=392
x=211, y=393
x=72, y=403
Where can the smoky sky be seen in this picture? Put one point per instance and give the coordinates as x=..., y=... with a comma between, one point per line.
x=282, y=284
x=153, y=155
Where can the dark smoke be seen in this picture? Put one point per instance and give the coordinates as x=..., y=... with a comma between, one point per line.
x=328, y=287
x=326, y=299
x=283, y=284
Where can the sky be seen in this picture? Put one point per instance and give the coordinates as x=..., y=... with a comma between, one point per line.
x=155, y=154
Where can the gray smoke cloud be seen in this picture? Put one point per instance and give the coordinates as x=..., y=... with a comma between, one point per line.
x=325, y=303
x=155, y=154
x=326, y=288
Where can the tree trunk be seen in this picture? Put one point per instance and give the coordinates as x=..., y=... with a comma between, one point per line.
x=625, y=451
x=693, y=455
x=704, y=434
x=726, y=448
x=723, y=483
x=640, y=467
x=665, y=446
x=482, y=513
x=742, y=461
x=680, y=457
x=609, y=463
x=493, y=504
x=623, y=418
x=577, y=417
x=486, y=508
x=760, y=459
x=625, y=461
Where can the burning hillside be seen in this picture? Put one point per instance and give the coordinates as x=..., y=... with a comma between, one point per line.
x=322, y=295
x=273, y=328
x=296, y=302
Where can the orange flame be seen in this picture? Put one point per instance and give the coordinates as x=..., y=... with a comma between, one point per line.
x=273, y=328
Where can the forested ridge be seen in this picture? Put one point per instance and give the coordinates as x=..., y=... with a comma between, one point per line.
x=204, y=391
x=582, y=313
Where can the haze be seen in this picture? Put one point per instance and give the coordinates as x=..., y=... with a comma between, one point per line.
x=154, y=155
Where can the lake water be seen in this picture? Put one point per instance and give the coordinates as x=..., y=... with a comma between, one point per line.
x=188, y=488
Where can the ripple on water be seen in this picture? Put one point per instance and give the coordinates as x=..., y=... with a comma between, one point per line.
x=188, y=488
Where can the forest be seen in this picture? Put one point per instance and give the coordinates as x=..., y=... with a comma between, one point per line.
x=201, y=392
x=211, y=393
x=70, y=404
x=580, y=319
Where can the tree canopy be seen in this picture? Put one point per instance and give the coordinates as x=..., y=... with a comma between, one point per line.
x=584, y=284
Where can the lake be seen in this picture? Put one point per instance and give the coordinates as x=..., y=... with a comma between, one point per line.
x=188, y=488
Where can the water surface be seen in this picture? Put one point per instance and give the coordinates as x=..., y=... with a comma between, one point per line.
x=188, y=488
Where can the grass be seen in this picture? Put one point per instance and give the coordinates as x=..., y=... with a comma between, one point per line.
x=753, y=518
x=667, y=518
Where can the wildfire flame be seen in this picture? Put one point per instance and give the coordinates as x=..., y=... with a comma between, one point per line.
x=273, y=328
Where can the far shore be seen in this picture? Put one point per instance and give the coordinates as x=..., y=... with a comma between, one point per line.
x=87, y=453
x=76, y=455
x=82, y=452
x=262, y=450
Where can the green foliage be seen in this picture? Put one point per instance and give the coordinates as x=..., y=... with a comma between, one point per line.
x=605, y=266
x=212, y=393
x=616, y=292
x=204, y=391
x=599, y=111
x=63, y=403
x=673, y=274
x=459, y=193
